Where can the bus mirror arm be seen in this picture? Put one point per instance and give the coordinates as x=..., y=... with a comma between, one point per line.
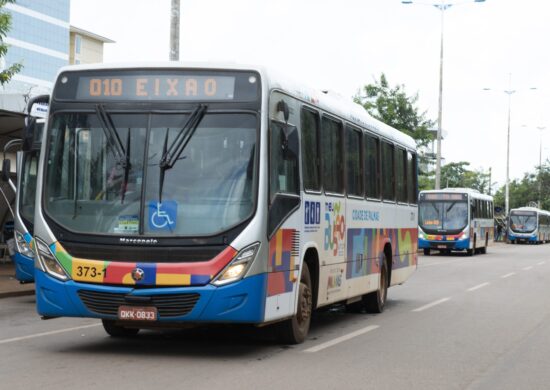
x=290, y=143
x=6, y=169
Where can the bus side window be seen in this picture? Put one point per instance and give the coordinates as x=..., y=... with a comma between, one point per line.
x=411, y=178
x=310, y=150
x=354, y=170
x=388, y=172
x=332, y=158
x=283, y=161
x=372, y=167
x=401, y=174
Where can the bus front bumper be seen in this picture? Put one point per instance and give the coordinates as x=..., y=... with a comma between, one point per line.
x=24, y=268
x=522, y=238
x=238, y=302
x=457, y=245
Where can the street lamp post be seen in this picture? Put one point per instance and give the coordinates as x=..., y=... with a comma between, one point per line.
x=442, y=6
x=509, y=92
x=540, y=128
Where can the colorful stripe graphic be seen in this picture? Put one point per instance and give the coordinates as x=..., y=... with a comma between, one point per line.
x=154, y=274
x=281, y=263
x=365, y=249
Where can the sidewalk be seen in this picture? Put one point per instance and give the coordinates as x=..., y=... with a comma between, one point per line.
x=9, y=286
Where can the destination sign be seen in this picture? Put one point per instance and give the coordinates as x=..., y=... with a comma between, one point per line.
x=156, y=88
x=157, y=85
x=523, y=213
x=444, y=196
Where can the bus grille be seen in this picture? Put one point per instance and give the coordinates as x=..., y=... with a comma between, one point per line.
x=168, y=305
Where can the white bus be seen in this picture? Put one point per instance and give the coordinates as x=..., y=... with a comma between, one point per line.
x=455, y=219
x=528, y=225
x=175, y=193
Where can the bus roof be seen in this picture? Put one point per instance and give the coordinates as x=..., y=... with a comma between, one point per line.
x=472, y=192
x=329, y=101
x=531, y=209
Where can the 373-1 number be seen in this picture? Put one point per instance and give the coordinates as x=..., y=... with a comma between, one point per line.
x=85, y=271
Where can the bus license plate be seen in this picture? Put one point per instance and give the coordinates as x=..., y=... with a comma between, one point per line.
x=442, y=246
x=137, y=313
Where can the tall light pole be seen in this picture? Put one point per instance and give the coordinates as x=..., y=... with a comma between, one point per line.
x=540, y=128
x=442, y=6
x=509, y=92
x=175, y=30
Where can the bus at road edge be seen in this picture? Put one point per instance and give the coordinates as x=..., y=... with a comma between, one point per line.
x=172, y=194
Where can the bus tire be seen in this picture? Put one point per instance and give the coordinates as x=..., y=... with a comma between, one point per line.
x=114, y=330
x=295, y=329
x=426, y=251
x=375, y=301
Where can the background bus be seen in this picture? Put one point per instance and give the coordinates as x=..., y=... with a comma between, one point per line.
x=528, y=225
x=455, y=219
x=25, y=189
x=174, y=194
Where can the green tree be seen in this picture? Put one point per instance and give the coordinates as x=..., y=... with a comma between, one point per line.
x=457, y=174
x=5, y=24
x=534, y=186
x=394, y=107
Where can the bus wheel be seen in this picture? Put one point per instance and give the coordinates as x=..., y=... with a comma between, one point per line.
x=426, y=251
x=470, y=252
x=295, y=329
x=374, y=302
x=118, y=331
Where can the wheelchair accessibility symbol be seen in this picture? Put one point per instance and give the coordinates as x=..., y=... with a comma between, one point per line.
x=163, y=216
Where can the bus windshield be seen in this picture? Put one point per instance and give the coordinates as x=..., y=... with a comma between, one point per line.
x=89, y=189
x=524, y=222
x=27, y=189
x=448, y=216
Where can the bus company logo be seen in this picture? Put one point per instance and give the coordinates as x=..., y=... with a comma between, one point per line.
x=138, y=241
x=138, y=274
x=312, y=213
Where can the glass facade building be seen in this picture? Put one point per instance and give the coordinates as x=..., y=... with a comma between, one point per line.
x=39, y=39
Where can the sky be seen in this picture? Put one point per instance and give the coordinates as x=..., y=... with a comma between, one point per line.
x=346, y=44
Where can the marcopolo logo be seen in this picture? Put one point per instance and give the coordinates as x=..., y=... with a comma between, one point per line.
x=312, y=213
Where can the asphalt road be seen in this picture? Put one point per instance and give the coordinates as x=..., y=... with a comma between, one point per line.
x=479, y=322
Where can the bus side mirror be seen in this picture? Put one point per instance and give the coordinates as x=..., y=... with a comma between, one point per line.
x=6, y=170
x=291, y=147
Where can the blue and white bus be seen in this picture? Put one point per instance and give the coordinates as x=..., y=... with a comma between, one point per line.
x=174, y=193
x=455, y=219
x=25, y=189
x=528, y=225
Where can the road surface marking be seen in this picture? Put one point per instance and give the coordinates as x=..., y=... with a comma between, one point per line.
x=508, y=275
x=425, y=307
x=541, y=263
x=527, y=268
x=32, y=336
x=341, y=339
x=478, y=286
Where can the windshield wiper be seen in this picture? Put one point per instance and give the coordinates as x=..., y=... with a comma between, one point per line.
x=112, y=136
x=122, y=156
x=171, y=154
x=126, y=169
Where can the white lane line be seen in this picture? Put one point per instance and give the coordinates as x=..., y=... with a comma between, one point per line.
x=541, y=263
x=478, y=286
x=527, y=268
x=340, y=339
x=508, y=275
x=33, y=336
x=425, y=307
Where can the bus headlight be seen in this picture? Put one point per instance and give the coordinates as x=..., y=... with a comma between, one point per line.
x=238, y=266
x=22, y=245
x=48, y=261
